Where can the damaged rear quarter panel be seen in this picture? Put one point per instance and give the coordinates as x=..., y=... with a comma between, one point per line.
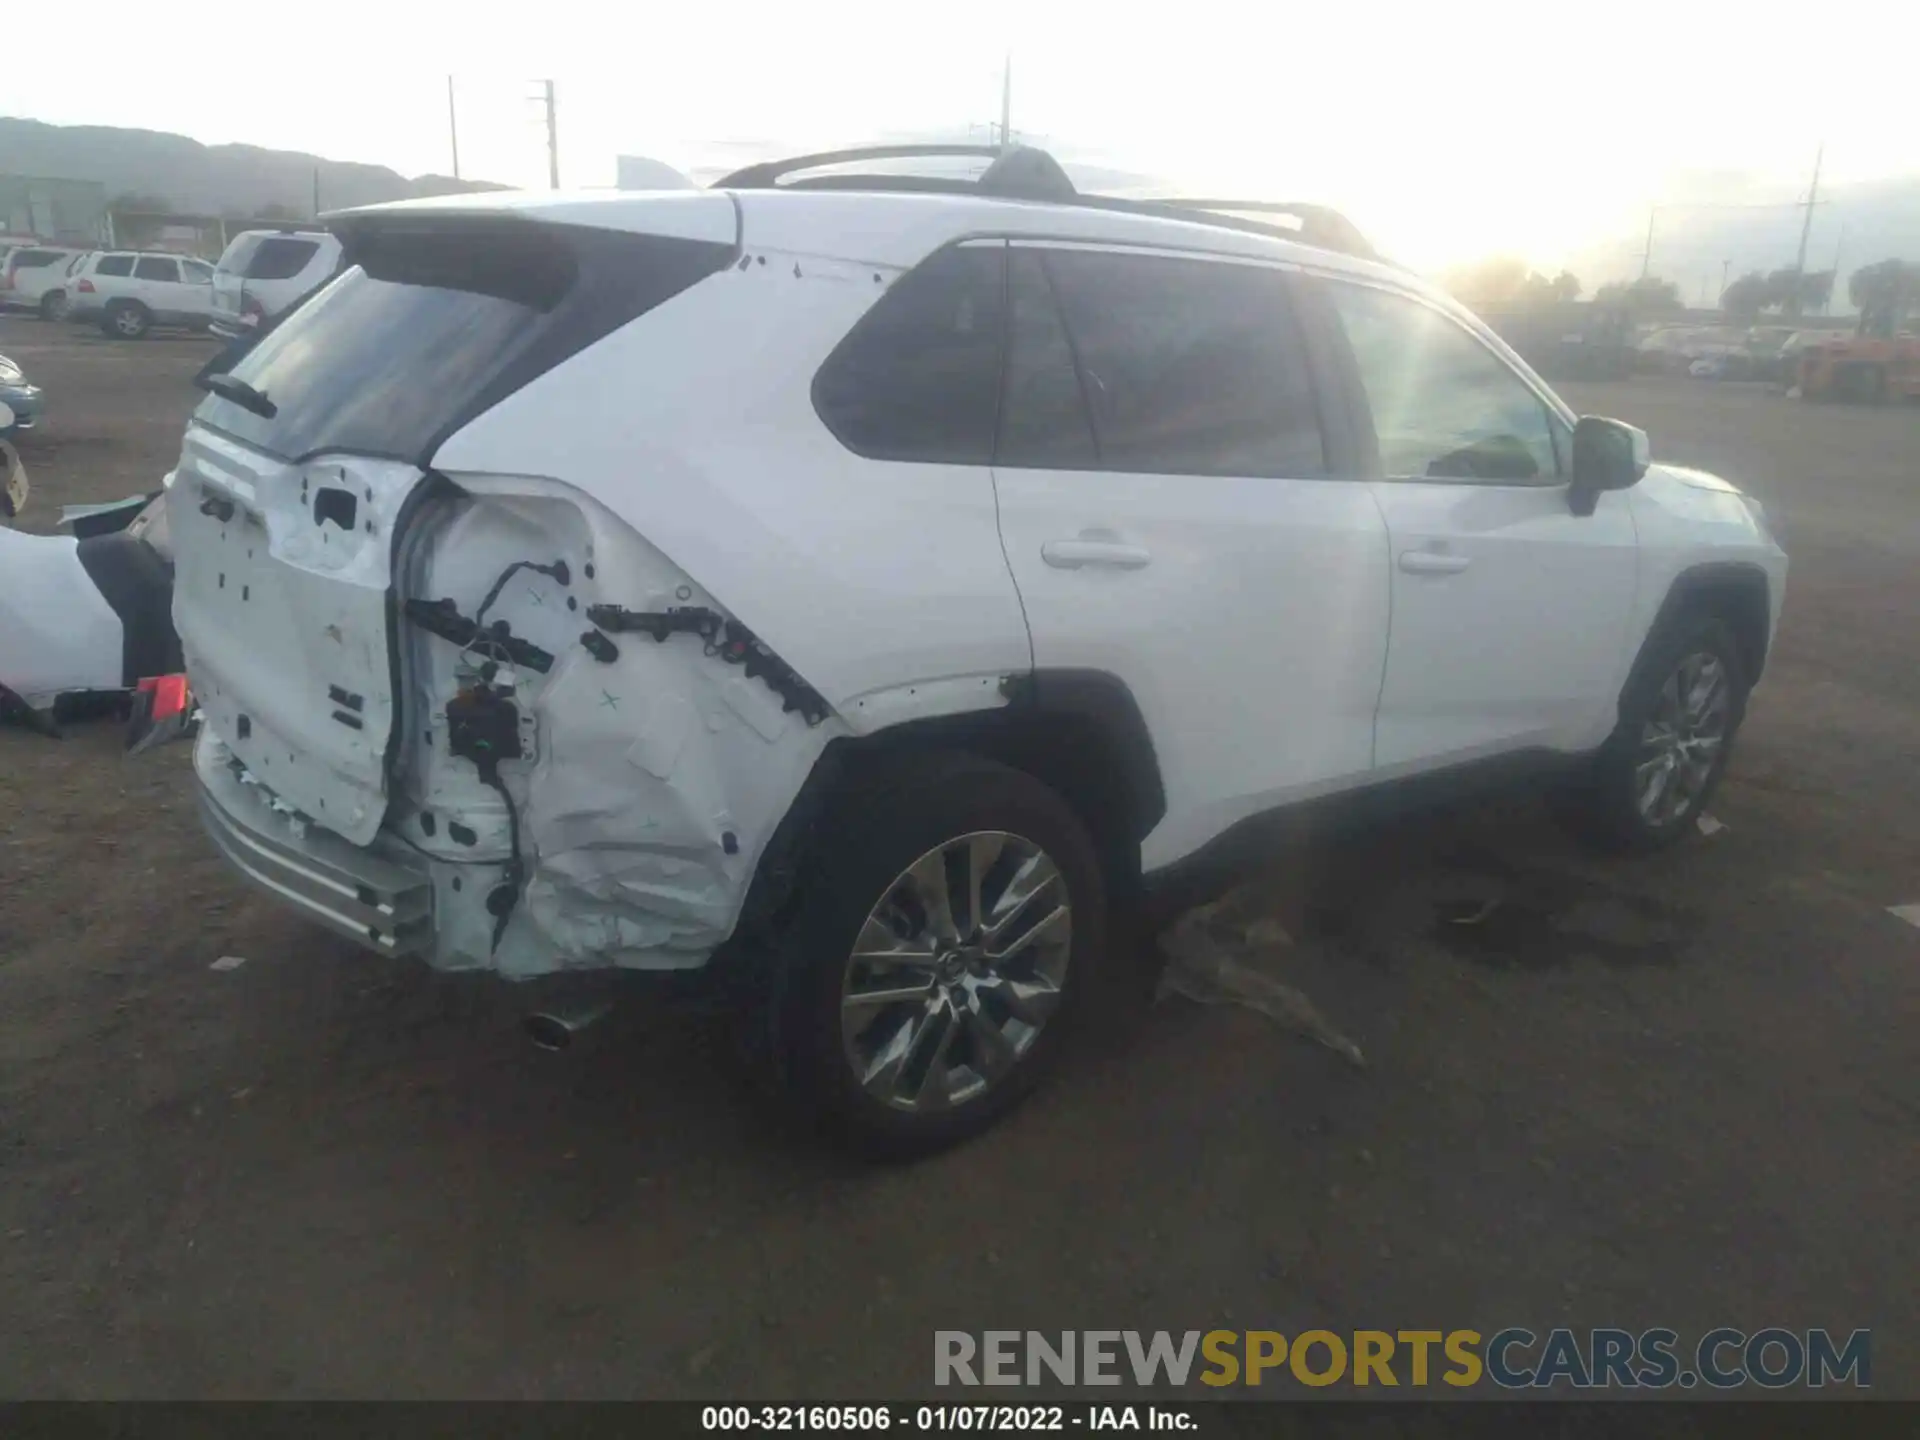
x=656, y=776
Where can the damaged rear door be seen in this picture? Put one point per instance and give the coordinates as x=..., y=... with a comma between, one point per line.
x=300, y=468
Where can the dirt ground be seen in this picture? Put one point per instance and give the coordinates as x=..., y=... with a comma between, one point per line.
x=1680, y=1092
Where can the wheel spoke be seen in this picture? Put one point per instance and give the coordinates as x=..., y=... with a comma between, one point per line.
x=1054, y=926
x=1029, y=1000
x=993, y=1052
x=878, y=945
x=983, y=851
x=1653, y=778
x=878, y=998
x=935, y=1041
x=1029, y=883
x=882, y=1071
x=929, y=879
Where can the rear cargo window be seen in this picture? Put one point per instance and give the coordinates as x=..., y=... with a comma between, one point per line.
x=279, y=258
x=435, y=322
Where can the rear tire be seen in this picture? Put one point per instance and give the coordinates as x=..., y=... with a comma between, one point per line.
x=126, y=320
x=983, y=1001
x=53, y=305
x=1649, y=783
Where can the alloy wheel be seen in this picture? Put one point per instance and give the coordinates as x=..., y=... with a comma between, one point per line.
x=956, y=972
x=1681, y=741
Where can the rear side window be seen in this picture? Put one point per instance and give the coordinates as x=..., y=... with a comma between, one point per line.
x=435, y=321
x=1191, y=367
x=114, y=265
x=33, y=259
x=152, y=267
x=919, y=377
x=279, y=258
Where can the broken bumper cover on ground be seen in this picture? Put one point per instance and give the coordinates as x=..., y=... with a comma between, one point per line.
x=369, y=894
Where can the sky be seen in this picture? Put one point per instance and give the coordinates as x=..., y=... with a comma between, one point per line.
x=1447, y=132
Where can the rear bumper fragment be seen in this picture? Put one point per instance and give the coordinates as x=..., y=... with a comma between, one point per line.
x=373, y=895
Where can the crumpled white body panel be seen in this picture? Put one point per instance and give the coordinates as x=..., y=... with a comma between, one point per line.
x=57, y=632
x=655, y=780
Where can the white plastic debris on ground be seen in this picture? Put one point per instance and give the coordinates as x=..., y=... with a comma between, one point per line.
x=228, y=962
x=57, y=633
x=1708, y=825
x=1908, y=913
x=1220, y=954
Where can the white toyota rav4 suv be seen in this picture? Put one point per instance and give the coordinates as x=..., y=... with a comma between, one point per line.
x=849, y=587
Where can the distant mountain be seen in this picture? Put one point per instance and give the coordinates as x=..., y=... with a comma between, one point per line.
x=234, y=180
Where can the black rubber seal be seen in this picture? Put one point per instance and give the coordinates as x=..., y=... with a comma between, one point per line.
x=138, y=584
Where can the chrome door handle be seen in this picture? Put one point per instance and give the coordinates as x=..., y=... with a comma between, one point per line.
x=1105, y=554
x=1432, y=562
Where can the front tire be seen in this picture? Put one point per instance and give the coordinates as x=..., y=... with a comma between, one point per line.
x=127, y=320
x=1683, y=706
x=950, y=923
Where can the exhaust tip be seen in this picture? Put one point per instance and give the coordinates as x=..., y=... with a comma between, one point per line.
x=558, y=1028
x=548, y=1032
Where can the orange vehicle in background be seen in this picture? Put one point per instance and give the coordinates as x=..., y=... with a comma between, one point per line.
x=1879, y=361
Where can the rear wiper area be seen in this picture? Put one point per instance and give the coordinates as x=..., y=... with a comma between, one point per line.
x=238, y=391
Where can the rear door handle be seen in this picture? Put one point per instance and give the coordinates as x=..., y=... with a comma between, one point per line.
x=1104, y=554
x=1432, y=562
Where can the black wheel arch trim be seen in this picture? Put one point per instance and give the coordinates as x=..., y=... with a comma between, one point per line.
x=1737, y=589
x=1118, y=776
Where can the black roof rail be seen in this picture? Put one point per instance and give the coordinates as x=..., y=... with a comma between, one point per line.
x=1020, y=172
x=1318, y=225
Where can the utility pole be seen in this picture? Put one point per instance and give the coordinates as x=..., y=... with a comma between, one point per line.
x=453, y=128
x=1806, y=224
x=316, y=192
x=553, y=143
x=1838, y=246
x=1726, y=269
x=1006, y=103
x=1646, y=255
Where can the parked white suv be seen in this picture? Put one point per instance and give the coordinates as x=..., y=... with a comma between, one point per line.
x=847, y=593
x=33, y=277
x=128, y=292
x=262, y=273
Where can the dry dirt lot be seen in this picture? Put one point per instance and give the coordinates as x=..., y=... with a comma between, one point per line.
x=1680, y=1092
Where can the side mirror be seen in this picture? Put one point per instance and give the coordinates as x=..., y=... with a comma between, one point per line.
x=1607, y=455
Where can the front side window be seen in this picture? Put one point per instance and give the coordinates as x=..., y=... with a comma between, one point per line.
x=1444, y=405
x=196, y=272
x=1191, y=367
x=153, y=267
x=919, y=377
x=33, y=259
x=114, y=265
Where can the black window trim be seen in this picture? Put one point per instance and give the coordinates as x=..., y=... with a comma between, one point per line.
x=963, y=242
x=1317, y=278
x=1342, y=452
